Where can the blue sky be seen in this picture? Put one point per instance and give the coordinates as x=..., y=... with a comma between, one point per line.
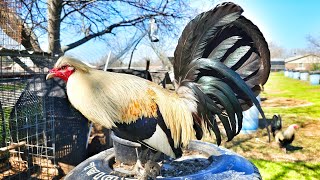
x=284, y=22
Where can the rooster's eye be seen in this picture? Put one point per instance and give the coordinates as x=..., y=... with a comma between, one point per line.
x=63, y=67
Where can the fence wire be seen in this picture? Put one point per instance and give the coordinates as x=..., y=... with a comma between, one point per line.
x=27, y=124
x=42, y=135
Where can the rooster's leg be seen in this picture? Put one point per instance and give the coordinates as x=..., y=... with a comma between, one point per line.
x=152, y=168
x=138, y=169
x=284, y=149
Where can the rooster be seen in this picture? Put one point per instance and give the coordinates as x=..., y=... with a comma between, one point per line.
x=220, y=64
x=282, y=138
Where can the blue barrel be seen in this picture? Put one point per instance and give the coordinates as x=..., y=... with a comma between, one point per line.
x=304, y=76
x=296, y=75
x=223, y=164
x=314, y=79
x=250, y=121
x=286, y=73
x=290, y=74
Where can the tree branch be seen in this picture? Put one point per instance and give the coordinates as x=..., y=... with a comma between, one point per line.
x=313, y=41
x=102, y=16
x=131, y=22
x=76, y=10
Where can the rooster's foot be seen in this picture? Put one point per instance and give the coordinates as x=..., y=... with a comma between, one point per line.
x=138, y=170
x=123, y=174
x=152, y=170
x=284, y=150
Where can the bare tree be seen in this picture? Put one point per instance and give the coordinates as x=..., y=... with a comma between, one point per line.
x=90, y=19
x=314, y=44
x=161, y=52
x=276, y=50
x=119, y=49
x=299, y=51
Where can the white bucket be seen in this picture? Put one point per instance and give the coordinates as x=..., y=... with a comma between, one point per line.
x=250, y=121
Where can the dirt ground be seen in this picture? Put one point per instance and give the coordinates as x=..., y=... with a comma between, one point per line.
x=284, y=102
x=306, y=146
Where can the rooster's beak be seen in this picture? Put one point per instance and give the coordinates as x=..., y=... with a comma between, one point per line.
x=51, y=74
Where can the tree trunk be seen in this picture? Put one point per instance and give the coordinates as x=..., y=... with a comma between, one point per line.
x=54, y=17
x=30, y=39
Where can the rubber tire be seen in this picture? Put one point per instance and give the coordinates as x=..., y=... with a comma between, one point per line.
x=225, y=165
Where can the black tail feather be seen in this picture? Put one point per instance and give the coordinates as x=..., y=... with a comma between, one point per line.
x=224, y=101
x=207, y=82
x=224, y=58
x=276, y=124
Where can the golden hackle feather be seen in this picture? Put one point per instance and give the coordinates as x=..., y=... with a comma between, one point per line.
x=175, y=109
x=106, y=98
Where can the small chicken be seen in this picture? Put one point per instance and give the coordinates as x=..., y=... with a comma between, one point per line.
x=282, y=138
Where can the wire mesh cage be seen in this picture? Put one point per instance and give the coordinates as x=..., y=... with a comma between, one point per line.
x=27, y=123
x=42, y=136
x=10, y=26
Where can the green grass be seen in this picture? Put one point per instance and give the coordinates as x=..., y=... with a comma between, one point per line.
x=287, y=170
x=16, y=86
x=12, y=87
x=279, y=86
x=6, y=112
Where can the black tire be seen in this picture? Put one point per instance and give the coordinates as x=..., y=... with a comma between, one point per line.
x=225, y=164
x=95, y=167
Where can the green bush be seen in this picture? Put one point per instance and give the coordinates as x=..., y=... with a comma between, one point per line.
x=315, y=67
